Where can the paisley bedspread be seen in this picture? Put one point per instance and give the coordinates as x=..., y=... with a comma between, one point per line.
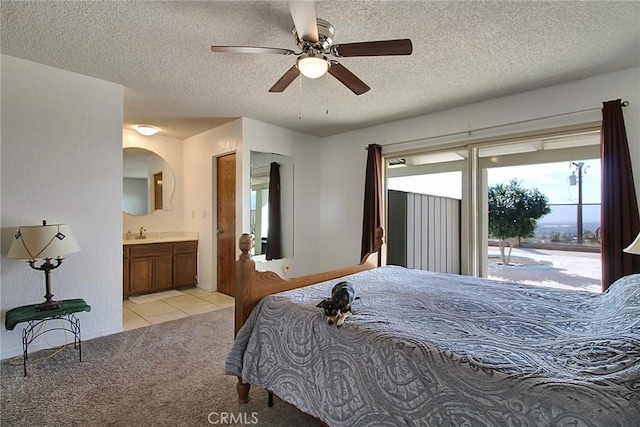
x=433, y=349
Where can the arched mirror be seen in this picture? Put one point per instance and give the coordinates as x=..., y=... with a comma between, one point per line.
x=148, y=182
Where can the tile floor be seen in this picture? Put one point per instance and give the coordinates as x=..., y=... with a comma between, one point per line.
x=192, y=301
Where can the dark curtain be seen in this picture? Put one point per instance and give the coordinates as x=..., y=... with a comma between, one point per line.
x=619, y=218
x=372, y=199
x=274, y=236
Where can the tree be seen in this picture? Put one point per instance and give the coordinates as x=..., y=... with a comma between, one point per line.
x=513, y=213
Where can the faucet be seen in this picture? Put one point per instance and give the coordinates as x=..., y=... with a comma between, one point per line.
x=141, y=235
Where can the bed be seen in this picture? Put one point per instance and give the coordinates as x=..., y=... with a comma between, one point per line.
x=433, y=349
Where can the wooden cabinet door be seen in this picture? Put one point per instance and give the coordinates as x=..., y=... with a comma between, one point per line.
x=140, y=277
x=125, y=272
x=185, y=263
x=162, y=273
x=185, y=269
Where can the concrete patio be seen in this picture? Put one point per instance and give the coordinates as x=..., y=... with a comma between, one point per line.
x=568, y=270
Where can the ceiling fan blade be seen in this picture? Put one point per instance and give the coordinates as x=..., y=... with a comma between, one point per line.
x=347, y=78
x=286, y=79
x=376, y=48
x=304, y=19
x=251, y=49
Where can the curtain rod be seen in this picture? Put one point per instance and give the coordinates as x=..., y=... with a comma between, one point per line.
x=623, y=103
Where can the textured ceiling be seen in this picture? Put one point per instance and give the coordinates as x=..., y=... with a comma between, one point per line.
x=463, y=51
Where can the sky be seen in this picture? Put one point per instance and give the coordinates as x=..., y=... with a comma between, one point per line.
x=552, y=179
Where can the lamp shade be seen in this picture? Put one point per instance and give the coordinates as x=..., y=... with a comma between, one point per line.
x=634, y=247
x=43, y=241
x=312, y=66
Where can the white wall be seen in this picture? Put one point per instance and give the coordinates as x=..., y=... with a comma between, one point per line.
x=241, y=136
x=62, y=161
x=344, y=156
x=170, y=149
x=199, y=153
x=305, y=150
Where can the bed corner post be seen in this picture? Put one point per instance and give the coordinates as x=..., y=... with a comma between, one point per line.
x=379, y=244
x=245, y=274
x=376, y=258
x=243, y=391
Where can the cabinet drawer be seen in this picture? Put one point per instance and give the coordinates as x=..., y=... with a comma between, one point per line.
x=151, y=250
x=125, y=252
x=189, y=247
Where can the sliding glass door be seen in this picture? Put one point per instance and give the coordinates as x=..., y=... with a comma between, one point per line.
x=564, y=249
x=464, y=174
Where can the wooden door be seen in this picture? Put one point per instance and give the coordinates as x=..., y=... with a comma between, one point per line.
x=226, y=226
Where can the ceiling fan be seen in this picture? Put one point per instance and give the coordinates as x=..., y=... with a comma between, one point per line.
x=314, y=38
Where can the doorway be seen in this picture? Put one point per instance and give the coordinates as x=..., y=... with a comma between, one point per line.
x=226, y=222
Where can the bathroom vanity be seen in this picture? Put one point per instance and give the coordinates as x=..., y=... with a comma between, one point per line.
x=159, y=262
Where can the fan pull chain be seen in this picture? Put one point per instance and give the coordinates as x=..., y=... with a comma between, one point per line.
x=300, y=99
x=326, y=79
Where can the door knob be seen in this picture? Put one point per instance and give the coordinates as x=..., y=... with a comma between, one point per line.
x=219, y=231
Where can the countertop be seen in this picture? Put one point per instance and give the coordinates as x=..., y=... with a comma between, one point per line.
x=160, y=237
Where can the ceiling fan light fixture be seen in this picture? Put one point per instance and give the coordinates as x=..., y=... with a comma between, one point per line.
x=146, y=130
x=313, y=66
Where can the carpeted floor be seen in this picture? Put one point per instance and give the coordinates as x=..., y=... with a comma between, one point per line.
x=170, y=374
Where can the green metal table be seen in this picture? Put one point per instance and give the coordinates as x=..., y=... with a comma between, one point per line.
x=34, y=319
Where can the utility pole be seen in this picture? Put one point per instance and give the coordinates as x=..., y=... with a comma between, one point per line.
x=578, y=166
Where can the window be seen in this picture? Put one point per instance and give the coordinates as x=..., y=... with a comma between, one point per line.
x=466, y=172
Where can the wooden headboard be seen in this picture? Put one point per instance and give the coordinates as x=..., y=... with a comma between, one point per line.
x=253, y=285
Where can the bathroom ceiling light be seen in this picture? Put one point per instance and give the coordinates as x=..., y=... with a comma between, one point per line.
x=146, y=130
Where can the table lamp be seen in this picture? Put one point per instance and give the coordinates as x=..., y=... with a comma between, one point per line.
x=45, y=242
x=634, y=247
